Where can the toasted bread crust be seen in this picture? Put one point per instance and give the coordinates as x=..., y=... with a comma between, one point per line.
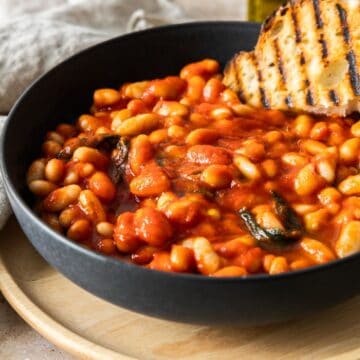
x=307, y=59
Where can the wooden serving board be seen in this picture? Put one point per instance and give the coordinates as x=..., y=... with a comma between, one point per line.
x=90, y=328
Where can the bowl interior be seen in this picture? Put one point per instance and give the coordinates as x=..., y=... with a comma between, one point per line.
x=66, y=91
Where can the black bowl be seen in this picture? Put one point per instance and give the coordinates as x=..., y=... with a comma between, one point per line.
x=65, y=92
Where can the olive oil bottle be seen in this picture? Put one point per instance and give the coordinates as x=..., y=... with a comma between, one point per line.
x=259, y=10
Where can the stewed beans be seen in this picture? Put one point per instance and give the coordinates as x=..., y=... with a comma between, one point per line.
x=176, y=174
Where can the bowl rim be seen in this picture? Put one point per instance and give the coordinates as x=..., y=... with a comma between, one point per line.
x=64, y=241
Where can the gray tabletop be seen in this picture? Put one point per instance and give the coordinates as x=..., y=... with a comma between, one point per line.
x=19, y=342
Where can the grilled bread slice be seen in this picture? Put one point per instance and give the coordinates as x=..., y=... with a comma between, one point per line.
x=307, y=59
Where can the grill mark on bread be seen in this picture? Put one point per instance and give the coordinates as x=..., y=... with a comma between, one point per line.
x=280, y=62
x=309, y=98
x=354, y=76
x=350, y=57
x=284, y=10
x=280, y=66
x=344, y=24
x=268, y=21
x=334, y=97
x=319, y=22
x=241, y=96
x=298, y=36
x=296, y=24
x=263, y=97
x=238, y=79
x=320, y=25
x=264, y=100
x=324, y=48
x=309, y=95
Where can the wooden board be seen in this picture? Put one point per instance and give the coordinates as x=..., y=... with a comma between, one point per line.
x=90, y=328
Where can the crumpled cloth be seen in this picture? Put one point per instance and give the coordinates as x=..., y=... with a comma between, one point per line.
x=38, y=34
